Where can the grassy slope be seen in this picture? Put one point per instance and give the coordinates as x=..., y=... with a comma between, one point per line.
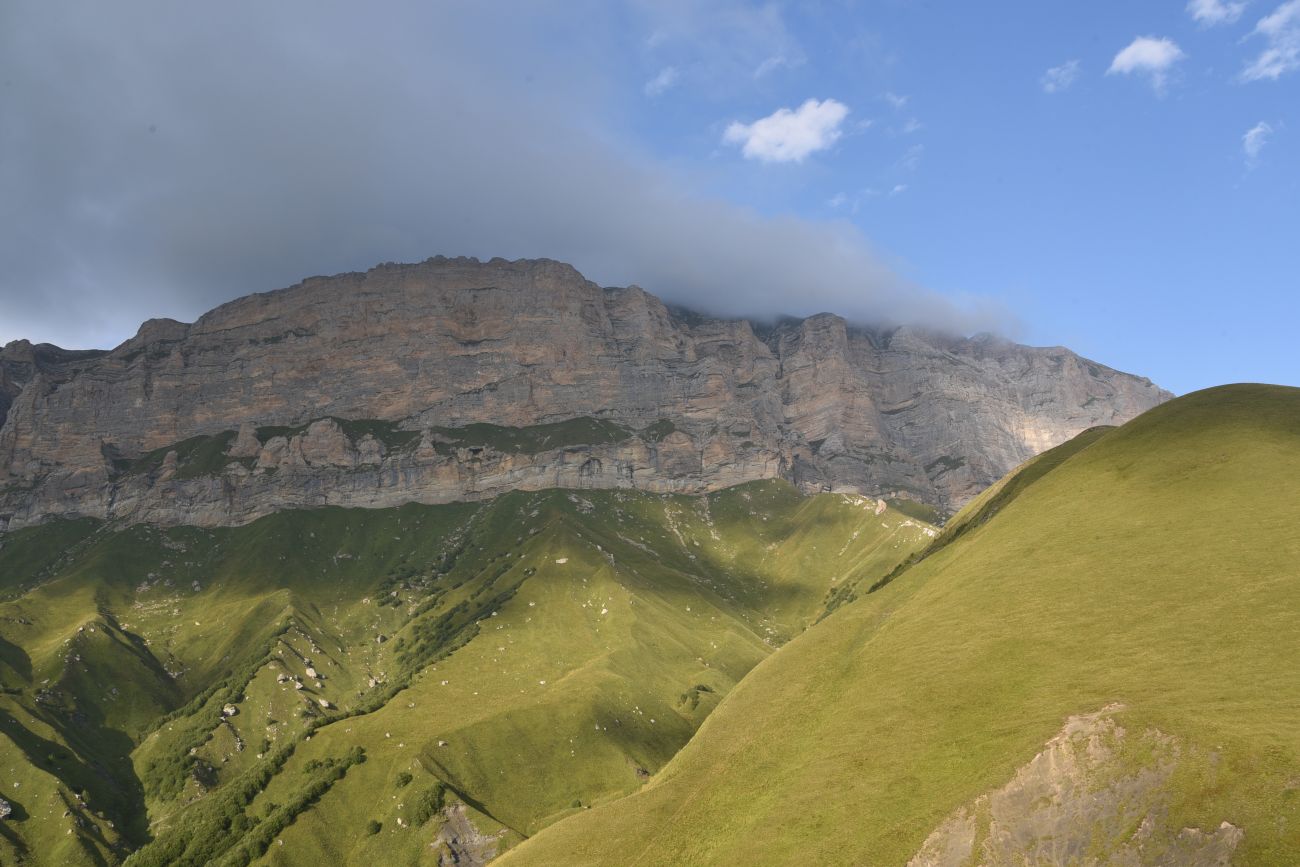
x=1155, y=566
x=135, y=639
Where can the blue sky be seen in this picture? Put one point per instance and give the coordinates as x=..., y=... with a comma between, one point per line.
x=1119, y=178
x=1114, y=213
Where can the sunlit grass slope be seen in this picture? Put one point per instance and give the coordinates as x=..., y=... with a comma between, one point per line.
x=1156, y=566
x=350, y=686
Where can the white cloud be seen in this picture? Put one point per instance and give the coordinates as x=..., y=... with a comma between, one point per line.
x=896, y=101
x=789, y=136
x=725, y=44
x=898, y=190
x=1212, y=12
x=1148, y=55
x=773, y=63
x=1254, y=140
x=1281, y=54
x=838, y=200
x=1060, y=78
x=208, y=211
x=912, y=125
x=666, y=78
x=911, y=158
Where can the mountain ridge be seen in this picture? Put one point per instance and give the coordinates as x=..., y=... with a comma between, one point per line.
x=447, y=344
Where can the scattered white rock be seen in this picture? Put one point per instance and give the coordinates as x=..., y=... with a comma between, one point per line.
x=229, y=710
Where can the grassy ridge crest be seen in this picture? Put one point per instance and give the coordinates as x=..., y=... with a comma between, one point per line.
x=1146, y=571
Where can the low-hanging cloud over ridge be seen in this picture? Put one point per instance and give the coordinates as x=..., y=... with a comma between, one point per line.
x=157, y=162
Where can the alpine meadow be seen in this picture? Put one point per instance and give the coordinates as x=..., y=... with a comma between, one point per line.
x=623, y=434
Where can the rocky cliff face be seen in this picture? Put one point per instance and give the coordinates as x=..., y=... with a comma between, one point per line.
x=454, y=379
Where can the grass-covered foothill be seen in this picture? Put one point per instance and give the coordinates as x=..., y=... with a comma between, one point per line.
x=336, y=686
x=1151, y=568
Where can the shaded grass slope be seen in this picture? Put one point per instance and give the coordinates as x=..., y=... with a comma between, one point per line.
x=390, y=686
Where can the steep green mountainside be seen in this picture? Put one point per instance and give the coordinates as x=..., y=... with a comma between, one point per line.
x=1095, y=664
x=411, y=685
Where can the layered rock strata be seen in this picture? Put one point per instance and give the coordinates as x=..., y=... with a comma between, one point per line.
x=259, y=404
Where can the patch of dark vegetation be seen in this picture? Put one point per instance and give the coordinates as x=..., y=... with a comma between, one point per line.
x=914, y=509
x=198, y=720
x=657, y=432
x=197, y=456
x=154, y=352
x=280, y=338
x=220, y=830
x=944, y=464
x=837, y=596
x=427, y=804
x=581, y=431
x=690, y=700
x=205, y=454
x=389, y=433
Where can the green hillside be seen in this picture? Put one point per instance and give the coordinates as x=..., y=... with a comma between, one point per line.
x=1097, y=663
x=391, y=686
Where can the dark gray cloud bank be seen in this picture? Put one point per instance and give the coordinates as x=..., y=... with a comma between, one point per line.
x=158, y=158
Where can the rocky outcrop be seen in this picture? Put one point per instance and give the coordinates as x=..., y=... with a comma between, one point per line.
x=270, y=383
x=459, y=843
x=1084, y=800
x=21, y=362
